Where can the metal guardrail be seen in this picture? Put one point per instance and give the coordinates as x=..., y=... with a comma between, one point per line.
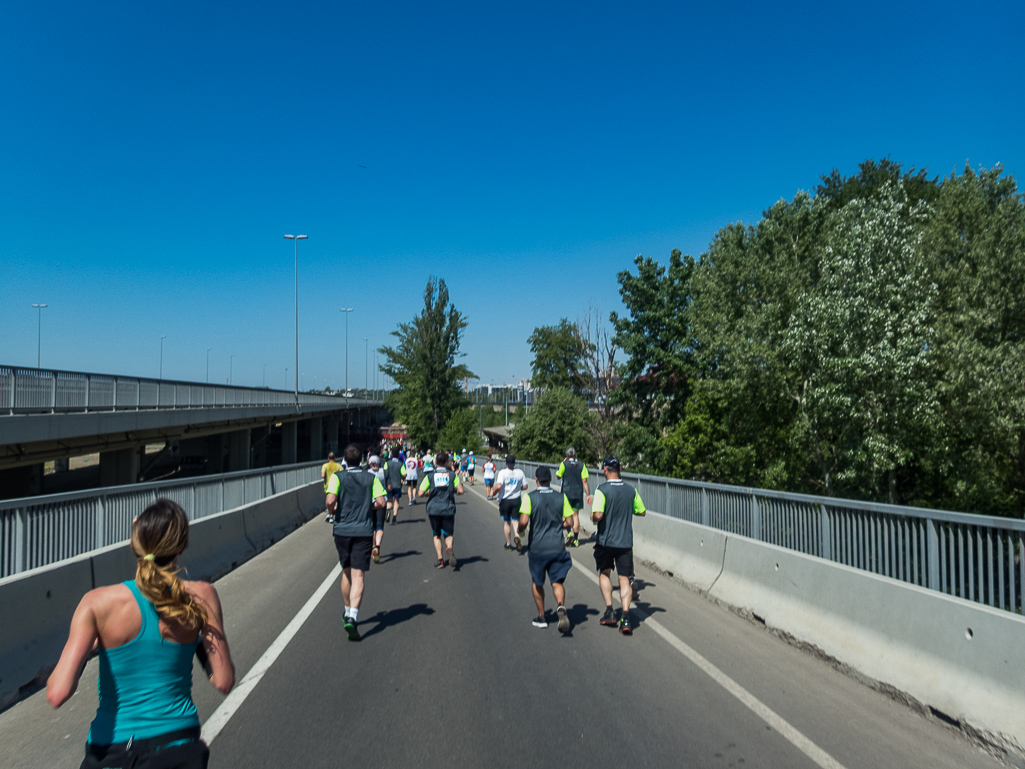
x=38, y=531
x=974, y=557
x=29, y=390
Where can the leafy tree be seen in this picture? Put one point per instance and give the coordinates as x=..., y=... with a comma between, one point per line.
x=558, y=357
x=863, y=344
x=423, y=365
x=461, y=431
x=557, y=420
x=869, y=183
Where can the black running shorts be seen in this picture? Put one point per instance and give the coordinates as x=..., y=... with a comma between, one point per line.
x=509, y=509
x=443, y=525
x=620, y=558
x=354, y=552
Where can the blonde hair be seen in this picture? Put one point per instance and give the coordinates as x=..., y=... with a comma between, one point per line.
x=159, y=536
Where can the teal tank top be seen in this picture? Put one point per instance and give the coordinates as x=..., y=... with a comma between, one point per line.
x=145, y=685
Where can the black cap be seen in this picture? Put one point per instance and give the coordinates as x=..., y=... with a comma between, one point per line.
x=611, y=462
x=510, y=460
x=543, y=474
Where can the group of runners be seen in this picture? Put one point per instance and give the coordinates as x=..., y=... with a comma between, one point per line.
x=148, y=629
x=361, y=499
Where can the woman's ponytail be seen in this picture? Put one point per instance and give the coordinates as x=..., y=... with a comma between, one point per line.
x=159, y=536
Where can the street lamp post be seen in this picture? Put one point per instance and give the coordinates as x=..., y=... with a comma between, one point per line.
x=366, y=367
x=208, y=349
x=346, y=310
x=162, y=336
x=295, y=240
x=231, y=367
x=39, y=333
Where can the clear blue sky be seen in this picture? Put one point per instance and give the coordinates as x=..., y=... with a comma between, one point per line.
x=152, y=155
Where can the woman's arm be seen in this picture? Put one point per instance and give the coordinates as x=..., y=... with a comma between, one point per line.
x=215, y=642
x=82, y=640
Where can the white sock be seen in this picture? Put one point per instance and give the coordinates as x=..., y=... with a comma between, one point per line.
x=354, y=613
x=347, y=610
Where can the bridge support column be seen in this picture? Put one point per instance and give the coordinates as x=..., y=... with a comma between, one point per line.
x=238, y=450
x=334, y=423
x=24, y=481
x=316, y=432
x=258, y=437
x=120, y=467
x=289, y=443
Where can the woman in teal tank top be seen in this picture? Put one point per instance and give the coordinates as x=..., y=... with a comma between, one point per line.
x=146, y=632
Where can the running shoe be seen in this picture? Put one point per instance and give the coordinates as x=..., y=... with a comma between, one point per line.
x=569, y=540
x=329, y=518
x=376, y=554
x=563, y=619
x=451, y=557
x=624, y=625
x=608, y=618
x=539, y=621
x=507, y=546
x=518, y=545
x=439, y=564
x=351, y=630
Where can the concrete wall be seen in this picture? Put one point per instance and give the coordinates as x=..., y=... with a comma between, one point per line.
x=959, y=657
x=43, y=600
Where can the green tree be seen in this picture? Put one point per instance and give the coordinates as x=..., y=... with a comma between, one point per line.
x=558, y=357
x=423, y=365
x=863, y=344
x=557, y=420
x=461, y=431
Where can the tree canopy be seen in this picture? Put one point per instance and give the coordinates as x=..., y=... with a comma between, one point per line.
x=423, y=365
x=558, y=357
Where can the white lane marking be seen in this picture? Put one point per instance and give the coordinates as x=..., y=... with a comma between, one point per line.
x=756, y=706
x=238, y=695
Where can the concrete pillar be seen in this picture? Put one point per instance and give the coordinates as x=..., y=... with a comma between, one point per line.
x=315, y=430
x=120, y=467
x=289, y=443
x=24, y=481
x=334, y=424
x=258, y=446
x=61, y=465
x=238, y=451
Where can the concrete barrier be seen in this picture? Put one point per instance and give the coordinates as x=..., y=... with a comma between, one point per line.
x=36, y=609
x=957, y=657
x=691, y=553
x=36, y=606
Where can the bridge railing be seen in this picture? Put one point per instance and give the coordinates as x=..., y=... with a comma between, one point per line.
x=29, y=390
x=38, y=531
x=974, y=557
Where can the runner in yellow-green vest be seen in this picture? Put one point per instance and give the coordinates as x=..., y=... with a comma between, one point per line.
x=575, y=486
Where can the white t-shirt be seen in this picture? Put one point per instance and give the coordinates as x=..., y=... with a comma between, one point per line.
x=411, y=468
x=489, y=470
x=512, y=483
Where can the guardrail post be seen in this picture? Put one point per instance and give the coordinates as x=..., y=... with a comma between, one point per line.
x=88, y=380
x=706, y=519
x=756, y=518
x=825, y=535
x=53, y=392
x=101, y=522
x=932, y=542
x=20, y=540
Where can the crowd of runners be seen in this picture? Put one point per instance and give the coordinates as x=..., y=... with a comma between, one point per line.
x=147, y=629
x=364, y=491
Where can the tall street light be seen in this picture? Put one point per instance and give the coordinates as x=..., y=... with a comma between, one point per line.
x=366, y=367
x=162, y=337
x=39, y=332
x=231, y=367
x=346, y=310
x=295, y=241
x=208, y=349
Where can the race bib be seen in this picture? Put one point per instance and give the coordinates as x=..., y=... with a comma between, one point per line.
x=441, y=480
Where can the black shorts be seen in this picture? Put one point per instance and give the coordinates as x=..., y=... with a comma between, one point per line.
x=620, y=558
x=443, y=525
x=395, y=493
x=470, y=472
x=411, y=483
x=190, y=755
x=380, y=516
x=354, y=552
x=509, y=509
x=577, y=503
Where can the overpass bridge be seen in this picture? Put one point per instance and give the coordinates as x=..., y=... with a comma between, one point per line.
x=450, y=671
x=52, y=415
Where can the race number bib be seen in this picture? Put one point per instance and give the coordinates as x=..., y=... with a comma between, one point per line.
x=441, y=480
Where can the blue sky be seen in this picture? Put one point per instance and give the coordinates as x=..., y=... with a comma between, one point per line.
x=153, y=155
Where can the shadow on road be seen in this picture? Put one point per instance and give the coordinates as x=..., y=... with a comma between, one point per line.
x=461, y=562
x=392, y=617
x=578, y=614
x=410, y=520
x=393, y=556
x=648, y=610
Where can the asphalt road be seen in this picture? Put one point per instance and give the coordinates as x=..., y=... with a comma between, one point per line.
x=451, y=673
